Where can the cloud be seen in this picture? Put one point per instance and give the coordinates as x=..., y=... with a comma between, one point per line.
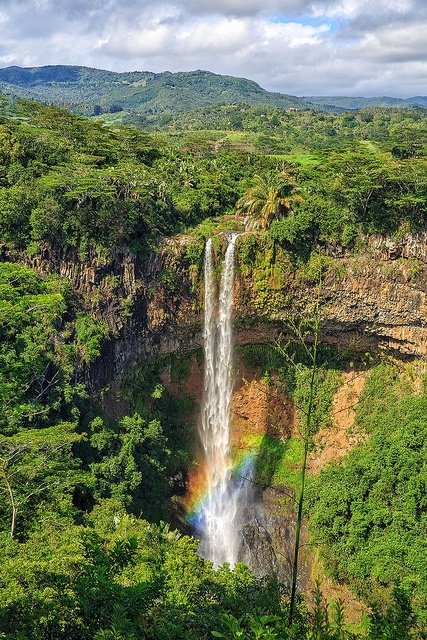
x=246, y=7
x=399, y=45
x=294, y=46
x=219, y=36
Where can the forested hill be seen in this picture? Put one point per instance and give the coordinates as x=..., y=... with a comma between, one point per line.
x=93, y=91
x=337, y=103
x=139, y=97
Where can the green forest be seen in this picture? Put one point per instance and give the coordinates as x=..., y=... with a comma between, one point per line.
x=92, y=541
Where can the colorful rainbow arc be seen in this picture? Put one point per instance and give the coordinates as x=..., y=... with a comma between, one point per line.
x=241, y=471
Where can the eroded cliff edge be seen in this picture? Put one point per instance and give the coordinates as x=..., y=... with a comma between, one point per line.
x=374, y=299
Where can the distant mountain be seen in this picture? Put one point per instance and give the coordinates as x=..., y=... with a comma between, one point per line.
x=141, y=96
x=344, y=103
x=93, y=91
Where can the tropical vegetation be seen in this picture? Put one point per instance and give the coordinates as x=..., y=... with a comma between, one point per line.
x=93, y=544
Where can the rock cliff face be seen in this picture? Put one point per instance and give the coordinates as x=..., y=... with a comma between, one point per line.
x=374, y=300
x=133, y=298
x=366, y=304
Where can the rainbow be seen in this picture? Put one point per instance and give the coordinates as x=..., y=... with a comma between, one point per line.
x=241, y=471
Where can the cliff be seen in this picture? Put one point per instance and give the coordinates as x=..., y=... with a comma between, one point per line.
x=375, y=299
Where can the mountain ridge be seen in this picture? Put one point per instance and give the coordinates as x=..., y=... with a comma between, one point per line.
x=141, y=95
x=94, y=91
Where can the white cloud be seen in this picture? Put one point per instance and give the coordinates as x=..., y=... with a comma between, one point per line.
x=144, y=42
x=218, y=36
x=224, y=35
x=294, y=46
x=293, y=34
x=398, y=45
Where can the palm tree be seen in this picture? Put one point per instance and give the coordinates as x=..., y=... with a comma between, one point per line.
x=271, y=197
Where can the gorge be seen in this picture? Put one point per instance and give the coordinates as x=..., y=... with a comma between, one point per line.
x=374, y=301
x=154, y=379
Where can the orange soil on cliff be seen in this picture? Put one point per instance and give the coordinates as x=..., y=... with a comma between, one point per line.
x=332, y=443
x=336, y=440
x=259, y=409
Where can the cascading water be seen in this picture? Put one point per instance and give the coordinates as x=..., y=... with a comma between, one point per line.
x=224, y=507
x=220, y=518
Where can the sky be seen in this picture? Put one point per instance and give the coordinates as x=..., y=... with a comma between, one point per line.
x=300, y=47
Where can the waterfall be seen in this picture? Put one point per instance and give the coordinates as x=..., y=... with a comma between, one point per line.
x=222, y=509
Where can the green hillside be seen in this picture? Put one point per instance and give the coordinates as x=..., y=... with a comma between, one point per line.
x=143, y=97
x=95, y=92
x=359, y=102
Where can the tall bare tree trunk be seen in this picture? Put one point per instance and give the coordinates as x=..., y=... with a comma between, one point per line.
x=307, y=439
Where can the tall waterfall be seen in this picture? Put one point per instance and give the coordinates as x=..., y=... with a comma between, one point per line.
x=221, y=511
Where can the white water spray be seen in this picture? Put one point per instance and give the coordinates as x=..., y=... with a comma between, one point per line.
x=221, y=512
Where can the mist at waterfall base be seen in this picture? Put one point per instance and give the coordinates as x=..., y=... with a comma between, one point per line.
x=221, y=510
x=237, y=491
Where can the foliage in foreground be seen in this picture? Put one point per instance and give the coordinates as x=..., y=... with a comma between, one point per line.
x=369, y=512
x=115, y=577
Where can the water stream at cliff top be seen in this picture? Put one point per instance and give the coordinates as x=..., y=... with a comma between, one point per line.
x=220, y=516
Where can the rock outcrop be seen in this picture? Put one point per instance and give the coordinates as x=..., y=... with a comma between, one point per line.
x=372, y=300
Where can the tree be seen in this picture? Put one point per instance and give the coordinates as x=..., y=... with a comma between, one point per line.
x=131, y=459
x=305, y=371
x=308, y=337
x=34, y=464
x=272, y=197
x=36, y=365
